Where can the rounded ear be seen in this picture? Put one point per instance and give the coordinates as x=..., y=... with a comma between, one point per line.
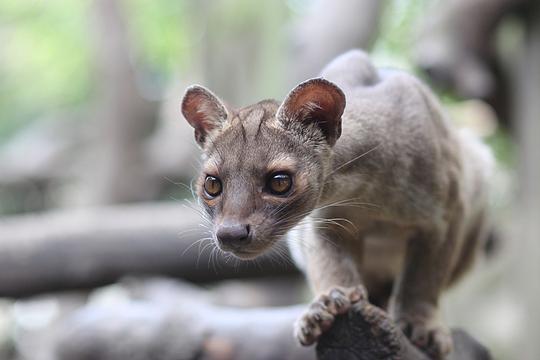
x=203, y=111
x=316, y=101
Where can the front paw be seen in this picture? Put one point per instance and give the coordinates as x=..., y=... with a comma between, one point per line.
x=323, y=310
x=427, y=332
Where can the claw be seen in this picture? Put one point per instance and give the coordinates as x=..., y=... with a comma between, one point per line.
x=427, y=334
x=321, y=313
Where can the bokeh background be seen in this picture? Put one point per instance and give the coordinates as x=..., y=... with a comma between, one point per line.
x=96, y=208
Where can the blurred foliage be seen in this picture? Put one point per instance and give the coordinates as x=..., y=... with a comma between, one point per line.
x=47, y=65
x=45, y=62
x=503, y=148
x=398, y=33
x=161, y=32
x=161, y=36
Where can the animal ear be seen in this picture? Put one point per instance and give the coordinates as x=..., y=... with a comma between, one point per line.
x=318, y=102
x=203, y=111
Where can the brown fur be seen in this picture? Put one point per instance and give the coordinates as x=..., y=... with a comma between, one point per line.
x=385, y=190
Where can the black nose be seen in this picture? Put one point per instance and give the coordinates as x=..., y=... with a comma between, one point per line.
x=233, y=235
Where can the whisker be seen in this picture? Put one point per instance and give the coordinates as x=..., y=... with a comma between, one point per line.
x=188, y=187
x=354, y=159
x=208, y=245
x=200, y=241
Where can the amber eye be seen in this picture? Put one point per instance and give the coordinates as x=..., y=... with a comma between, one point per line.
x=212, y=186
x=279, y=183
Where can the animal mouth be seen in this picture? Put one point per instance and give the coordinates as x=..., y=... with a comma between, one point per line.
x=245, y=254
x=248, y=251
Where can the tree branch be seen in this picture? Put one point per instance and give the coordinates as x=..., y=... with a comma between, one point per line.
x=180, y=322
x=368, y=333
x=84, y=249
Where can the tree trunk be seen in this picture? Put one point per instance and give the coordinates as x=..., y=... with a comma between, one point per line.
x=116, y=167
x=330, y=28
x=526, y=106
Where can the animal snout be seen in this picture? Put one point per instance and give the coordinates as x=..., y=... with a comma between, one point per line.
x=233, y=236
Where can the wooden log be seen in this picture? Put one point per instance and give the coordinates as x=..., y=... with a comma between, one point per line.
x=87, y=248
x=179, y=323
x=368, y=333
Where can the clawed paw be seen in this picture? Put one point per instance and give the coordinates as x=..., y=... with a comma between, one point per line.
x=323, y=310
x=430, y=336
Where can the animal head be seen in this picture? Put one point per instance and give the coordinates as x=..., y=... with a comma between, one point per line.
x=264, y=165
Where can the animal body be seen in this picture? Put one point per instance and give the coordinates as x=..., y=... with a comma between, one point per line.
x=367, y=179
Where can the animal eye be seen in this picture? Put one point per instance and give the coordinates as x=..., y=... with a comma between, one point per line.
x=279, y=183
x=212, y=186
